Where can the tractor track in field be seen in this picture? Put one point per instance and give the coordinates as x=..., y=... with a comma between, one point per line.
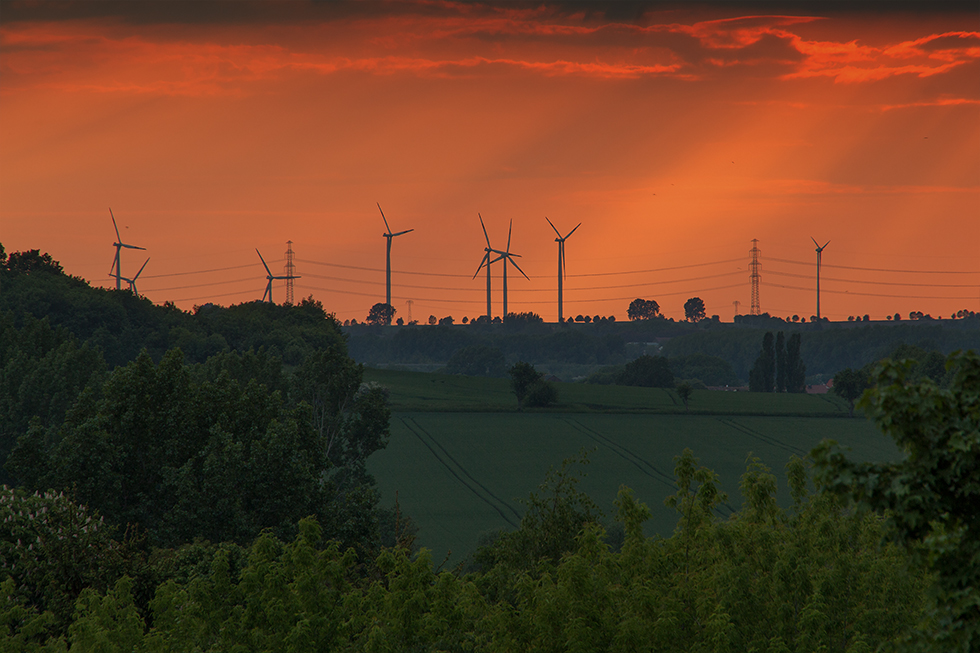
x=625, y=453
x=495, y=502
x=636, y=460
x=761, y=437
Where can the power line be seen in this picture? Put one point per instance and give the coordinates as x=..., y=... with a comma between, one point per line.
x=463, y=301
x=878, y=283
x=867, y=294
x=180, y=274
x=203, y=285
x=467, y=276
x=628, y=285
x=851, y=267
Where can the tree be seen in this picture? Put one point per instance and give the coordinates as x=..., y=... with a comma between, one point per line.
x=694, y=309
x=647, y=371
x=930, y=497
x=477, y=360
x=446, y=321
x=780, y=362
x=433, y=320
x=643, y=309
x=529, y=386
x=795, y=369
x=684, y=391
x=850, y=384
x=762, y=377
x=381, y=314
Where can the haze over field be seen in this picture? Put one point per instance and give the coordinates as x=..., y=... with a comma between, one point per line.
x=674, y=135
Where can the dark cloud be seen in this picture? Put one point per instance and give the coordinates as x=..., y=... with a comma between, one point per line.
x=289, y=11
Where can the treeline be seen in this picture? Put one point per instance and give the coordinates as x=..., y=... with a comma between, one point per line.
x=121, y=325
x=828, y=350
x=814, y=577
x=818, y=576
x=186, y=446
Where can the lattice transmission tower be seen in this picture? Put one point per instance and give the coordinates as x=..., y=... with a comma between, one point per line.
x=754, y=275
x=290, y=272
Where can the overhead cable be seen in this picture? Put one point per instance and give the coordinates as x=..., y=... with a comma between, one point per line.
x=477, y=289
x=851, y=267
x=180, y=274
x=865, y=294
x=202, y=285
x=878, y=283
x=467, y=276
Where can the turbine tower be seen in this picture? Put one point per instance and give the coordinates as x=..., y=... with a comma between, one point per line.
x=387, y=234
x=508, y=256
x=132, y=282
x=488, y=250
x=119, y=244
x=561, y=262
x=269, y=276
x=819, y=255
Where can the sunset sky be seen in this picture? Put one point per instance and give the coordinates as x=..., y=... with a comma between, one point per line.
x=675, y=136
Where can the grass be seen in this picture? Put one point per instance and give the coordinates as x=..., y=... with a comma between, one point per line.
x=422, y=392
x=460, y=455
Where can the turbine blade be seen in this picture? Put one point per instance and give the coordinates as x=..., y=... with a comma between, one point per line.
x=268, y=271
x=499, y=258
x=484, y=230
x=141, y=269
x=482, y=263
x=132, y=246
x=825, y=244
x=553, y=226
x=514, y=263
x=385, y=219
x=509, y=229
x=118, y=238
x=402, y=232
x=573, y=230
x=814, y=241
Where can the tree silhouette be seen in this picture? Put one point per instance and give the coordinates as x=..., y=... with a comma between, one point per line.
x=643, y=309
x=694, y=309
x=381, y=314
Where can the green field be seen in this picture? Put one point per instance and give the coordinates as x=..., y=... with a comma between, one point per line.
x=460, y=455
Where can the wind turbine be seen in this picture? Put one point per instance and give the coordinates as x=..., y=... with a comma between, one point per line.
x=271, y=277
x=132, y=282
x=488, y=250
x=387, y=234
x=508, y=256
x=119, y=244
x=819, y=253
x=561, y=261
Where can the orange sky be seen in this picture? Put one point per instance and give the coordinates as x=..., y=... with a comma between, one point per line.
x=674, y=137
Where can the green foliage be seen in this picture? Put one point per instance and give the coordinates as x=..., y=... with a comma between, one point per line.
x=931, y=496
x=762, y=377
x=553, y=518
x=52, y=549
x=814, y=578
x=795, y=369
x=648, y=372
x=684, y=392
x=710, y=370
x=42, y=371
x=120, y=325
x=850, y=384
x=477, y=360
x=217, y=458
x=522, y=377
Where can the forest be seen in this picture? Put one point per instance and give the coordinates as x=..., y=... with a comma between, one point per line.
x=197, y=481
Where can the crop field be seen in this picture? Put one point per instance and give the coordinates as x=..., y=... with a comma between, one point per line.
x=460, y=473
